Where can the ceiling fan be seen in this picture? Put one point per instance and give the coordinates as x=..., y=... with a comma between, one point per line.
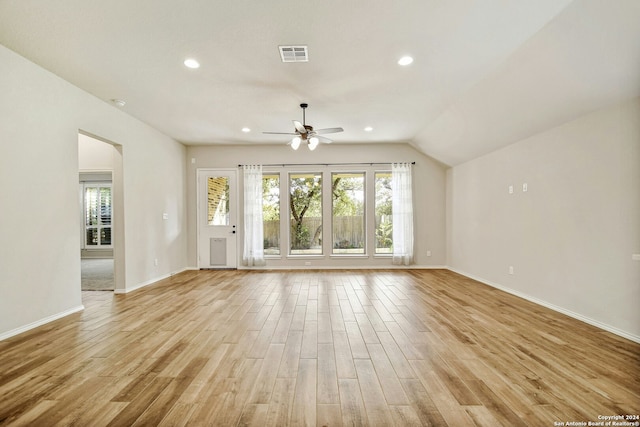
x=306, y=133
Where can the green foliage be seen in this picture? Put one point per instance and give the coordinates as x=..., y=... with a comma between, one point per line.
x=271, y=198
x=348, y=196
x=301, y=238
x=384, y=234
x=383, y=195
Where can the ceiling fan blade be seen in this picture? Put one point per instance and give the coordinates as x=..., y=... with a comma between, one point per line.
x=324, y=139
x=328, y=130
x=299, y=127
x=281, y=133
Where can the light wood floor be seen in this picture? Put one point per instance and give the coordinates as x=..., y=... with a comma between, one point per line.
x=315, y=348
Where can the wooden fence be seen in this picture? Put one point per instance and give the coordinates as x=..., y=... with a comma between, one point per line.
x=348, y=232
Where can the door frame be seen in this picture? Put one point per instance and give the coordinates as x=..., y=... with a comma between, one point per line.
x=233, y=193
x=117, y=212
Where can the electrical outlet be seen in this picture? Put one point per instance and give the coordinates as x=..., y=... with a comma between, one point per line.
x=307, y=263
x=428, y=253
x=525, y=187
x=165, y=216
x=511, y=189
x=155, y=262
x=511, y=269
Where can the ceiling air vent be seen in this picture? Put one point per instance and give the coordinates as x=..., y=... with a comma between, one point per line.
x=294, y=53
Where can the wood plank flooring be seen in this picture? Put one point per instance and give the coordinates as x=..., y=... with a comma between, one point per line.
x=315, y=348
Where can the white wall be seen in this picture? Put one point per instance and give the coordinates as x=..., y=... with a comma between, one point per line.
x=39, y=232
x=429, y=177
x=571, y=236
x=94, y=155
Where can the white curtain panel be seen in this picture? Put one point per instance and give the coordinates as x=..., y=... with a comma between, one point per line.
x=253, y=253
x=402, y=213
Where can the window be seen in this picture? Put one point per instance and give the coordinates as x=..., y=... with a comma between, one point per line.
x=97, y=215
x=218, y=199
x=348, y=206
x=305, y=210
x=383, y=208
x=351, y=210
x=271, y=213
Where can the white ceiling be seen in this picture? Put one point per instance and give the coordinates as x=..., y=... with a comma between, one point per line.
x=486, y=73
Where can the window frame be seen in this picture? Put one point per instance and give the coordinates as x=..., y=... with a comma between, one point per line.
x=326, y=171
x=99, y=226
x=365, y=233
x=375, y=226
x=278, y=174
x=315, y=172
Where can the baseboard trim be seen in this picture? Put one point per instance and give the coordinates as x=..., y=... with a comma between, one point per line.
x=40, y=322
x=342, y=267
x=577, y=316
x=149, y=282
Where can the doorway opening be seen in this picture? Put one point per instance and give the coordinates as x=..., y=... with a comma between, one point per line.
x=100, y=214
x=96, y=253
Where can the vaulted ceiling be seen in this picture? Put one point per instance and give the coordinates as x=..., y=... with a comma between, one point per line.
x=485, y=73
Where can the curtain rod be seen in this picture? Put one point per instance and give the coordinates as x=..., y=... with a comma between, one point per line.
x=330, y=164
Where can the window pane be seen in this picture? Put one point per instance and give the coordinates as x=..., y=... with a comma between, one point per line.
x=384, y=225
x=92, y=237
x=271, y=213
x=218, y=199
x=305, y=192
x=91, y=206
x=105, y=205
x=348, y=213
x=105, y=236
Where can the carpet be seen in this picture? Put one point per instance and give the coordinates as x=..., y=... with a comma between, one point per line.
x=97, y=275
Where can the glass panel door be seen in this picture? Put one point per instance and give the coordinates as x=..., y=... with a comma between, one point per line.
x=217, y=216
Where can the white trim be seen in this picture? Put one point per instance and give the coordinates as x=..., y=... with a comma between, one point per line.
x=306, y=256
x=577, y=316
x=40, y=322
x=150, y=281
x=343, y=267
x=349, y=256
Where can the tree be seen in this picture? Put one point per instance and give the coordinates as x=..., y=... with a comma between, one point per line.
x=271, y=198
x=384, y=204
x=305, y=197
x=383, y=195
x=345, y=202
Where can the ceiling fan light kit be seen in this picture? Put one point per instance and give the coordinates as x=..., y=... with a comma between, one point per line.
x=306, y=133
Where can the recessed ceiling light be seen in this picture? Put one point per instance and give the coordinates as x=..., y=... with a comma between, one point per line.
x=191, y=63
x=246, y=130
x=405, y=60
x=368, y=129
x=119, y=102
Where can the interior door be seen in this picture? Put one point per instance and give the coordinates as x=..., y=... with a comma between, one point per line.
x=217, y=218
